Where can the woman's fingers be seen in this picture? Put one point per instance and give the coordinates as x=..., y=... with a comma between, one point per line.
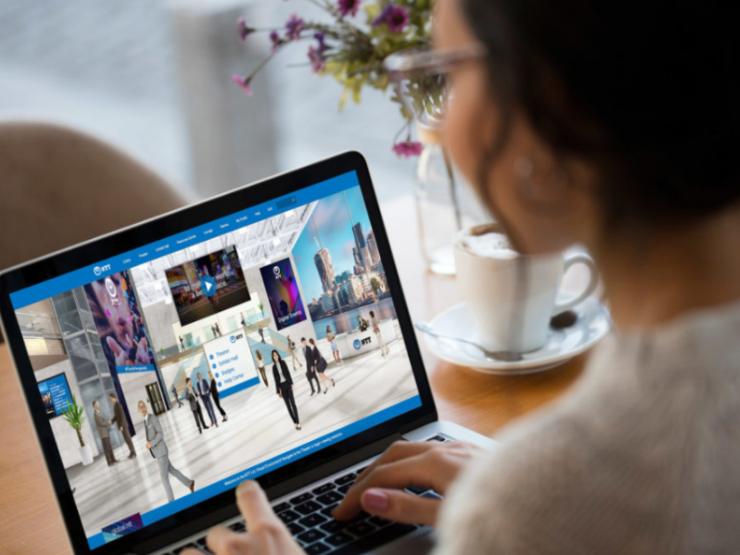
x=400, y=506
x=221, y=540
x=114, y=346
x=255, y=507
x=266, y=534
x=426, y=464
x=397, y=451
x=422, y=470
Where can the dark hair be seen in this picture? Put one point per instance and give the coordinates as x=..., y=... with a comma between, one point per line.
x=311, y=341
x=645, y=93
x=303, y=338
x=112, y=395
x=372, y=314
x=188, y=380
x=274, y=352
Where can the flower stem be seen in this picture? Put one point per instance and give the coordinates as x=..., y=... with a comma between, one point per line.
x=453, y=189
x=263, y=63
x=405, y=126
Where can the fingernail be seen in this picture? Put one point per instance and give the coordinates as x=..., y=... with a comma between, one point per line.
x=242, y=485
x=375, y=501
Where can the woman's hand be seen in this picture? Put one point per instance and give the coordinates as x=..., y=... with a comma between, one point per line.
x=266, y=534
x=120, y=355
x=142, y=353
x=379, y=489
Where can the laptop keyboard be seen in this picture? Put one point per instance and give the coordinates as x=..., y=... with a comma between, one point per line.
x=308, y=518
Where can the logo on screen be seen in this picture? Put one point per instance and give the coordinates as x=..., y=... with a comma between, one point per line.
x=122, y=527
x=110, y=286
x=276, y=271
x=97, y=270
x=233, y=339
x=357, y=344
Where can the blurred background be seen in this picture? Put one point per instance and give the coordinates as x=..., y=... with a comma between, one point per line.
x=153, y=77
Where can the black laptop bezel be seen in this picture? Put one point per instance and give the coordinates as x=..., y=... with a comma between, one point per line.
x=181, y=220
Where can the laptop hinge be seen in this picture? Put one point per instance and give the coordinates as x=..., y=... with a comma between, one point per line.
x=305, y=478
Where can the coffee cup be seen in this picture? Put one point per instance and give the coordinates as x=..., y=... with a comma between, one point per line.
x=511, y=297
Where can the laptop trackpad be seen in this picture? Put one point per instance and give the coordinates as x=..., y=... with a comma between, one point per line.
x=418, y=543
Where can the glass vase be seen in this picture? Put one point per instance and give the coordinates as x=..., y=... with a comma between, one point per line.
x=444, y=203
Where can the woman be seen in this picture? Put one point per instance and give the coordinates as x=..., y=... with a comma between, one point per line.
x=601, y=124
x=291, y=349
x=284, y=387
x=319, y=363
x=375, y=323
x=261, y=368
x=361, y=323
x=216, y=398
x=311, y=375
x=332, y=339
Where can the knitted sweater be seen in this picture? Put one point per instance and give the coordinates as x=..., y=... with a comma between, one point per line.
x=641, y=456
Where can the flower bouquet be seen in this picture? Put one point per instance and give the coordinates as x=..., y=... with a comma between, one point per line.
x=352, y=47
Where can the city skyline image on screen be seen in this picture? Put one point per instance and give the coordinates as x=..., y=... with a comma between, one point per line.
x=339, y=263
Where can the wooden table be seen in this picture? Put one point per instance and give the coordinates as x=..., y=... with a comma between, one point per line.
x=29, y=518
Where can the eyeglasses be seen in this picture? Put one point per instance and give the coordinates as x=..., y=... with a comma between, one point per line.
x=420, y=77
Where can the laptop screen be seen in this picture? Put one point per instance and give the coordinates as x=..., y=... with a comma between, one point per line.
x=216, y=355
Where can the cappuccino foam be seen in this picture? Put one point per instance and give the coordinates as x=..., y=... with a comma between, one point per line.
x=489, y=245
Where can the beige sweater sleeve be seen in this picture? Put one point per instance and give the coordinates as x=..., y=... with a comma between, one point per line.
x=572, y=481
x=640, y=457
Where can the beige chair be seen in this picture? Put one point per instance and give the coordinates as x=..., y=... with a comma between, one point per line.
x=59, y=187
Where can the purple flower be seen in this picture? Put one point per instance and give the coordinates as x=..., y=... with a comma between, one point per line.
x=407, y=148
x=275, y=40
x=349, y=7
x=322, y=45
x=317, y=60
x=378, y=21
x=244, y=30
x=294, y=27
x=243, y=83
x=397, y=19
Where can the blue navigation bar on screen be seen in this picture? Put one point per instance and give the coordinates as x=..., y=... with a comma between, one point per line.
x=174, y=243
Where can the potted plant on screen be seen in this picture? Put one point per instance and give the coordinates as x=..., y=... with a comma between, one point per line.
x=75, y=417
x=355, y=48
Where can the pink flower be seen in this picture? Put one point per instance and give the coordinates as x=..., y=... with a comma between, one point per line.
x=397, y=19
x=349, y=7
x=294, y=27
x=407, y=148
x=243, y=83
x=317, y=60
x=275, y=40
x=244, y=30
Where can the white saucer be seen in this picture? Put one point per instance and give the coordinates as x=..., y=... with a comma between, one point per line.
x=592, y=325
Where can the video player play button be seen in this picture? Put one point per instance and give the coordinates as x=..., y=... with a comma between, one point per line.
x=208, y=286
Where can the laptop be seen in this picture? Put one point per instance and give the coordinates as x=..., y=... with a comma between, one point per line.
x=261, y=334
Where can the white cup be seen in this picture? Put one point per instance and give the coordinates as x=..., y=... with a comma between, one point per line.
x=512, y=297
